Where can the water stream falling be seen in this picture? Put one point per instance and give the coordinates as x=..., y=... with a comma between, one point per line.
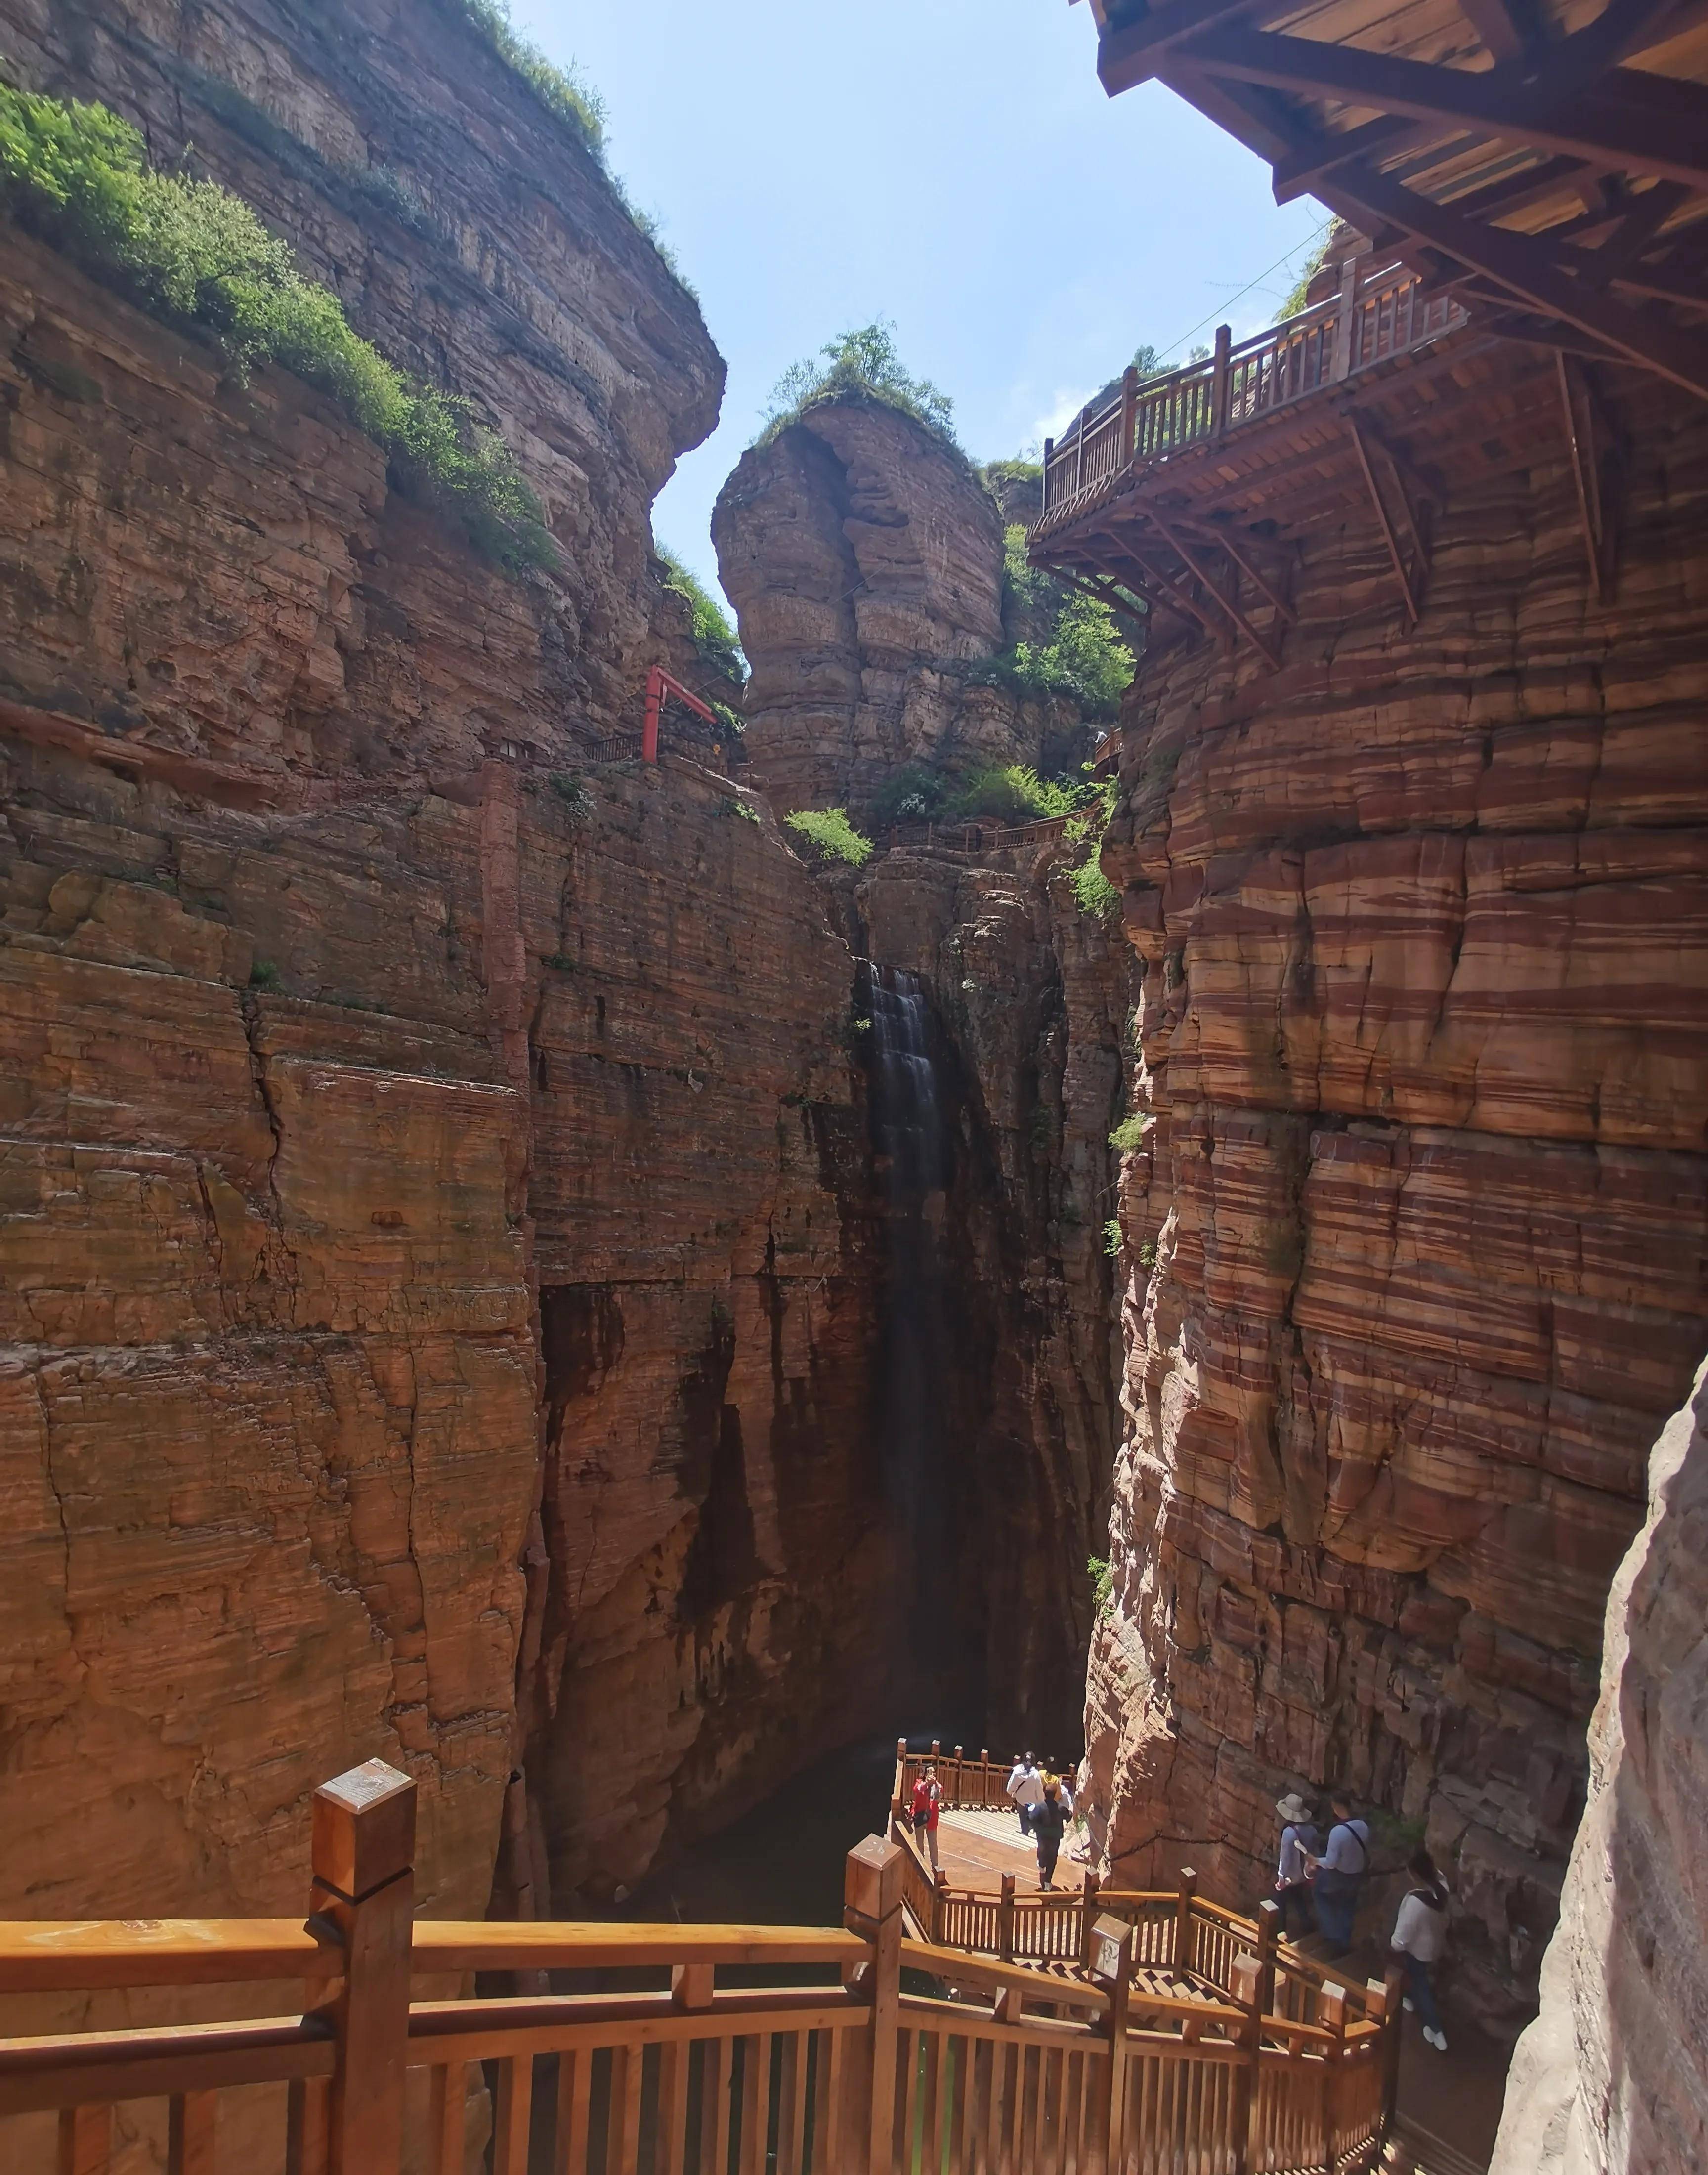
x=911, y=1141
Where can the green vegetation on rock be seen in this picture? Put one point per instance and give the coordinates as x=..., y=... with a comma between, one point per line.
x=715, y=638
x=832, y=837
x=562, y=90
x=1082, y=655
x=862, y=364
x=1130, y=1131
x=191, y=253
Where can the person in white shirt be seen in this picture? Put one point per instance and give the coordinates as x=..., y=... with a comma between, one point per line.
x=1025, y=1788
x=1300, y=1839
x=1420, y=1934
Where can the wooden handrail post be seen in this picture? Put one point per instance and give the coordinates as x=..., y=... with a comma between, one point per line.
x=940, y=1904
x=1218, y=380
x=1393, y=1994
x=1129, y=412
x=364, y=1885
x=1049, y=455
x=1118, y=1985
x=985, y=1797
x=1349, y=272
x=1268, y=1932
x=1183, y=1918
x=898, y=1795
x=1005, y=1920
x=1246, y=1992
x=872, y=1905
x=1332, y=2015
x=1088, y=1921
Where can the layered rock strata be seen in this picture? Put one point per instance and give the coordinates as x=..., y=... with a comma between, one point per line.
x=1612, y=2077
x=1029, y=997
x=476, y=241
x=434, y=1220
x=1414, y=1241
x=864, y=557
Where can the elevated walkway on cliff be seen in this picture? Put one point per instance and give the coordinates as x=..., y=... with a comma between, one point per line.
x=821, y=2061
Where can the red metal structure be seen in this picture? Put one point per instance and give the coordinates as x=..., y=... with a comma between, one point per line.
x=661, y=687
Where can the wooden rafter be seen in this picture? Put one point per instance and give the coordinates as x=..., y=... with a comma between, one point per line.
x=1215, y=533
x=1183, y=550
x=1524, y=266
x=1105, y=593
x=1401, y=574
x=1581, y=432
x=1499, y=27
x=1630, y=122
x=1162, y=586
x=1130, y=55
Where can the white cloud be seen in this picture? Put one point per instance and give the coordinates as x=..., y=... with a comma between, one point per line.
x=1056, y=418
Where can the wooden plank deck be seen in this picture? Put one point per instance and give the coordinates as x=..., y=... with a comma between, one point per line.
x=977, y=1848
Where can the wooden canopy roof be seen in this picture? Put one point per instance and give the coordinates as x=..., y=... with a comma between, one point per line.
x=1546, y=160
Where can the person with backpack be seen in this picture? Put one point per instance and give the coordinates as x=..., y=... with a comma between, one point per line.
x=928, y=1800
x=1420, y=1934
x=1025, y=1788
x=1337, y=1877
x=1300, y=1837
x=1049, y=1820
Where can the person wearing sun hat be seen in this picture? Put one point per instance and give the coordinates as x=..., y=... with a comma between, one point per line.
x=1300, y=1839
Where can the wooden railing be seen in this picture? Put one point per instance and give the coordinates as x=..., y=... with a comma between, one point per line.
x=975, y=837
x=1380, y=311
x=846, y=2075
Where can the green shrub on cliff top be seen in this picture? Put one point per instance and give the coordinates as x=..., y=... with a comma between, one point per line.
x=562, y=89
x=715, y=638
x=831, y=836
x=862, y=364
x=191, y=253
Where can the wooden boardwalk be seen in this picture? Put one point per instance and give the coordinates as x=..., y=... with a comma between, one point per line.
x=977, y=1848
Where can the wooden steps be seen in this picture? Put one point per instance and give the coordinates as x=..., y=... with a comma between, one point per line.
x=1413, y=2147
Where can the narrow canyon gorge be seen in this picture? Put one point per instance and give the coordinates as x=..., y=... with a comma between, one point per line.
x=513, y=1264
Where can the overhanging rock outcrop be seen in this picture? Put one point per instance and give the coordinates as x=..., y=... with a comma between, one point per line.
x=1612, y=2078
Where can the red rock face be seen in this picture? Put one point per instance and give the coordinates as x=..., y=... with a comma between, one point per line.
x=865, y=561
x=1611, y=2073
x=1030, y=996
x=434, y=1179
x=1415, y=1238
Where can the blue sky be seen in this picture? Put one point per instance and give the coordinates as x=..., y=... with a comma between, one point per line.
x=951, y=165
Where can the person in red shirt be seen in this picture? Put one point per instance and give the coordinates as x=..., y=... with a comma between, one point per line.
x=928, y=1800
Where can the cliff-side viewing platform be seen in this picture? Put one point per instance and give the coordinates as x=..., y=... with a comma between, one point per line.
x=1176, y=2036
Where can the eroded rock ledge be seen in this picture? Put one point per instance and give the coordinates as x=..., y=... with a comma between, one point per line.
x=1415, y=1237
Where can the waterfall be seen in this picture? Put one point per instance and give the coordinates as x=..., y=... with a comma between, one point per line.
x=906, y=1105
x=911, y=1141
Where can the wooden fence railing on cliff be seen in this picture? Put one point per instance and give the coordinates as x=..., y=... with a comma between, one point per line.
x=1382, y=309
x=851, y=2075
x=975, y=837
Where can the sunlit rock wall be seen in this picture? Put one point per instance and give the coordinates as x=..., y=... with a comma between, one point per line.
x=1414, y=1242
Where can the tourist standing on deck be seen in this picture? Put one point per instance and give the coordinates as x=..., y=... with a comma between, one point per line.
x=1337, y=1877
x=1049, y=1820
x=1420, y=1934
x=928, y=1800
x=1300, y=1839
x=1025, y=1788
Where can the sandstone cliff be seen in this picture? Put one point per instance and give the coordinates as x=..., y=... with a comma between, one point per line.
x=1029, y=996
x=435, y=1206
x=865, y=561
x=1613, y=2076
x=864, y=557
x=1414, y=1241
